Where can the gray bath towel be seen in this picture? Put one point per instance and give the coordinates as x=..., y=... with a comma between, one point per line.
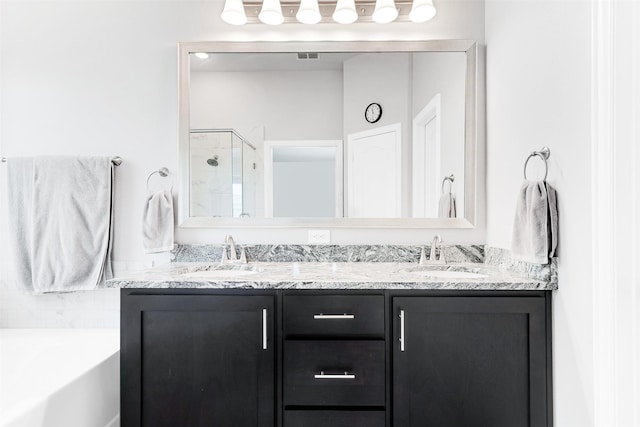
x=157, y=222
x=447, y=206
x=61, y=219
x=19, y=214
x=535, y=228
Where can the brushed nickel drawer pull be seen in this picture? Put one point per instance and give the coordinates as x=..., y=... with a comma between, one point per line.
x=345, y=376
x=323, y=316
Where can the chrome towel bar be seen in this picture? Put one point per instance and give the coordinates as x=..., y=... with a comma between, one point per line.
x=117, y=161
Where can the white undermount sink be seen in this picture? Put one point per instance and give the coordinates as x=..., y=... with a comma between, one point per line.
x=446, y=274
x=222, y=271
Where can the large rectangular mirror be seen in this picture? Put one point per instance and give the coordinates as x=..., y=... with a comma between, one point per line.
x=328, y=134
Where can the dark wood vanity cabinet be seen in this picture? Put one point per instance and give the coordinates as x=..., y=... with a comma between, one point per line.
x=301, y=358
x=197, y=360
x=469, y=361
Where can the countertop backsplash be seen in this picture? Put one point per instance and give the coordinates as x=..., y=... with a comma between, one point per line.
x=502, y=259
x=327, y=253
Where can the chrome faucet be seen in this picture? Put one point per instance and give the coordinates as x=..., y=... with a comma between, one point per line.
x=228, y=240
x=233, y=255
x=437, y=240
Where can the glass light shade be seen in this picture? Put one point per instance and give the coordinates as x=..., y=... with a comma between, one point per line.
x=385, y=11
x=233, y=12
x=271, y=13
x=345, y=12
x=422, y=10
x=309, y=12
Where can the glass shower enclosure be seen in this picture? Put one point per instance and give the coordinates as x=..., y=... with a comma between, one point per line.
x=222, y=178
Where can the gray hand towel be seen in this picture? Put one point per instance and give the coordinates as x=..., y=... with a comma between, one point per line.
x=447, y=206
x=157, y=222
x=535, y=228
x=61, y=221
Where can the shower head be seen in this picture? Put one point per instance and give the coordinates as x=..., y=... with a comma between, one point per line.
x=213, y=161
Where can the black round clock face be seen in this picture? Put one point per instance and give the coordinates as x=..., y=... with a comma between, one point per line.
x=373, y=112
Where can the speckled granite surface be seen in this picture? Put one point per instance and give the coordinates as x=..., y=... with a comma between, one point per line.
x=501, y=258
x=327, y=253
x=328, y=275
x=343, y=267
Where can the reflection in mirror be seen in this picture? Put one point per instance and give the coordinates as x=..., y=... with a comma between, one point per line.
x=303, y=179
x=291, y=138
x=222, y=174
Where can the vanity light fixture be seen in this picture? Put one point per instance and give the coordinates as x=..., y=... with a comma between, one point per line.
x=309, y=12
x=275, y=12
x=271, y=13
x=384, y=12
x=233, y=12
x=422, y=10
x=345, y=12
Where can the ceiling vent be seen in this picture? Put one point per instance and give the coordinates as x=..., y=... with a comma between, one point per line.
x=308, y=55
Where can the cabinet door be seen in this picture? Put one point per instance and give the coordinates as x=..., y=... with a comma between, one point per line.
x=205, y=360
x=469, y=361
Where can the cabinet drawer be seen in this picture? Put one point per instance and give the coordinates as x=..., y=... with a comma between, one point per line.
x=335, y=373
x=322, y=418
x=334, y=316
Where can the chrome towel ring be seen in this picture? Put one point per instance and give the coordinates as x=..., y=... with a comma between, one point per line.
x=449, y=178
x=544, y=154
x=163, y=172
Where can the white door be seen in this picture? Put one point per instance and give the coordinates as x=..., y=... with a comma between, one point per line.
x=374, y=173
x=426, y=161
x=303, y=178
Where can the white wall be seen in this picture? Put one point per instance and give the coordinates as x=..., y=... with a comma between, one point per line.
x=284, y=104
x=538, y=93
x=100, y=78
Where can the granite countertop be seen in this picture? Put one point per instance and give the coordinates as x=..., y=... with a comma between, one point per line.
x=328, y=275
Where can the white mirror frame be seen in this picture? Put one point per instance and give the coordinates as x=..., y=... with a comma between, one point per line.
x=469, y=47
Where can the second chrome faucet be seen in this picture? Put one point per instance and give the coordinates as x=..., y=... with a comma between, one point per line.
x=233, y=254
x=437, y=240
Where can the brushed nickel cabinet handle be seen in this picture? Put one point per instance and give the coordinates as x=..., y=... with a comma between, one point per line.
x=323, y=316
x=264, y=328
x=344, y=376
x=401, y=330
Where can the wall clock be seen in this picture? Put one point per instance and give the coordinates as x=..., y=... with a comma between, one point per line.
x=373, y=112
